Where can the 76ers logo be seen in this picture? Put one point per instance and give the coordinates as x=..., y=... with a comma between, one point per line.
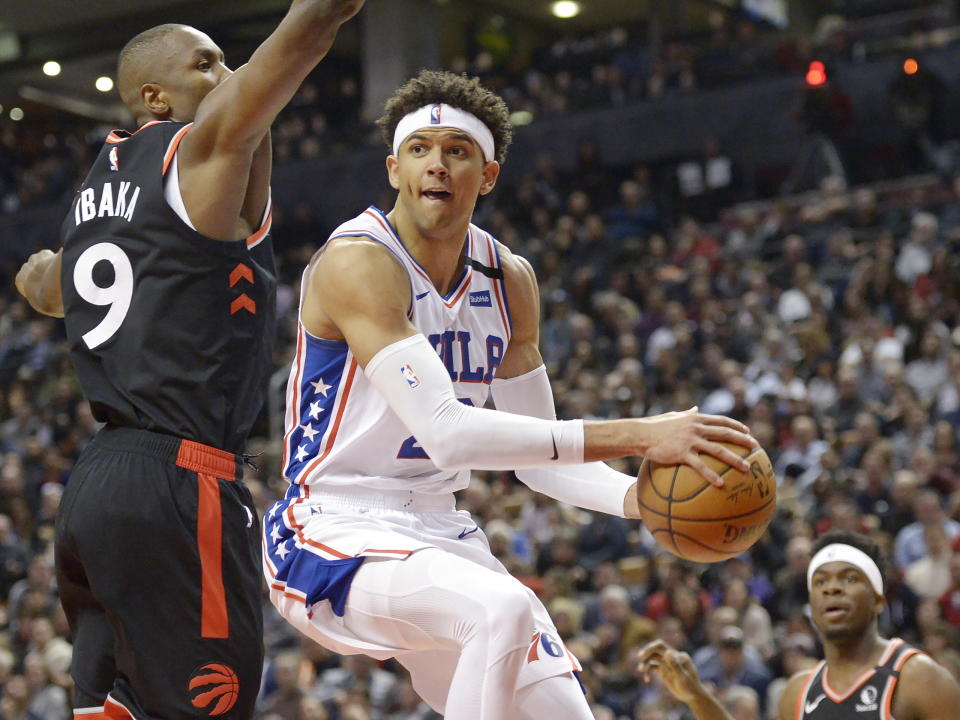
x=214, y=685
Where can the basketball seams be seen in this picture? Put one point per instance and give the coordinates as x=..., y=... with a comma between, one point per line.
x=693, y=540
x=673, y=482
x=711, y=519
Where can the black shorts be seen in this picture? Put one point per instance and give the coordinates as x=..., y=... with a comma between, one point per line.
x=158, y=565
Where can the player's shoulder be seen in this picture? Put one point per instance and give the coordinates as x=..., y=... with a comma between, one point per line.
x=517, y=270
x=926, y=689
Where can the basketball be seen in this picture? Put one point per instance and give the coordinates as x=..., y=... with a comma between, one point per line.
x=697, y=521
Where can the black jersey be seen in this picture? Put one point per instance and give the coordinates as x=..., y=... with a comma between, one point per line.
x=169, y=330
x=869, y=698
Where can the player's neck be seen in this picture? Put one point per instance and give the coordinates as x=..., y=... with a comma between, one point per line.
x=851, y=657
x=440, y=253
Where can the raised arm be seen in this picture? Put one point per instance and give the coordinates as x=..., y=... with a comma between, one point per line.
x=233, y=120
x=39, y=282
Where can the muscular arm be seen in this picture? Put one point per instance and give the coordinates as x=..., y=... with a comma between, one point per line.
x=226, y=149
x=39, y=282
x=357, y=290
x=521, y=389
x=926, y=691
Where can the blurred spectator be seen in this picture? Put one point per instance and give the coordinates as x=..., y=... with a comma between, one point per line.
x=911, y=544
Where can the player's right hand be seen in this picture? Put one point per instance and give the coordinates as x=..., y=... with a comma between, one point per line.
x=678, y=438
x=675, y=669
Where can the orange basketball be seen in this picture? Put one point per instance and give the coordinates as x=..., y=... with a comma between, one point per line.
x=697, y=521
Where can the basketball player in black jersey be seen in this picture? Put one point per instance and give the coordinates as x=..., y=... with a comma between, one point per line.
x=864, y=676
x=166, y=282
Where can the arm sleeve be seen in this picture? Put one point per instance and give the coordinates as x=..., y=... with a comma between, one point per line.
x=594, y=486
x=416, y=385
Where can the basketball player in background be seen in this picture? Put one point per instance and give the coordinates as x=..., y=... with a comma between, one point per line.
x=870, y=677
x=166, y=281
x=408, y=320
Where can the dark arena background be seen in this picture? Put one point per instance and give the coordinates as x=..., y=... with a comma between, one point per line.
x=748, y=205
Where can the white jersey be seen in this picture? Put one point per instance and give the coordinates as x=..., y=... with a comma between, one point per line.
x=340, y=431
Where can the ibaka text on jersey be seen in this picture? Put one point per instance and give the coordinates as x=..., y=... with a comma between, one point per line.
x=444, y=344
x=110, y=204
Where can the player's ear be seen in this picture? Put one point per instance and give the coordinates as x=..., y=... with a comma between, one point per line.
x=155, y=100
x=491, y=171
x=393, y=171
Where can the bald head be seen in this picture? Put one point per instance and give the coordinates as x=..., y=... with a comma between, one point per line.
x=142, y=60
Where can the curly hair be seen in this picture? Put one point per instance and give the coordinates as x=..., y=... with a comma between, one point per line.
x=861, y=542
x=460, y=91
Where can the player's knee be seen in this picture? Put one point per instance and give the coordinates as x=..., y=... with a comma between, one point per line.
x=508, y=612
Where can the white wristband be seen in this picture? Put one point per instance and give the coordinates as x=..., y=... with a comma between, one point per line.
x=416, y=385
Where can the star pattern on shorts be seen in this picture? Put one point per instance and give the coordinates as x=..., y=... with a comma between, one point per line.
x=320, y=386
x=275, y=533
x=282, y=550
x=315, y=409
x=301, y=453
x=308, y=431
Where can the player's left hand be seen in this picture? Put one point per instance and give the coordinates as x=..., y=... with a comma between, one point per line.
x=675, y=668
x=40, y=290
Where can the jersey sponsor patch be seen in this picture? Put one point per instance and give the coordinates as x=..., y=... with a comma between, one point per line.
x=868, y=699
x=480, y=299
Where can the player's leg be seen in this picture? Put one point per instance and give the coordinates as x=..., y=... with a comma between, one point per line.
x=436, y=601
x=188, y=644
x=560, y=696
x=93, y=667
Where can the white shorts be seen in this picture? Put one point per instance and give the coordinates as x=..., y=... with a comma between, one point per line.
x=315, y=541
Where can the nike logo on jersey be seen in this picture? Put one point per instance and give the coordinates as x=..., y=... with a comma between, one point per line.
x=556, y=455
x=464, y=533
x=422, y=295
x=812, y=705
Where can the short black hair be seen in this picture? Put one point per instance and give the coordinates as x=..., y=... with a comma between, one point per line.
x=457, y=90
x=861, y=542
x=136, y=60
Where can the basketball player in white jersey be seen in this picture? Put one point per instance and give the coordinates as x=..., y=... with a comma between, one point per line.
x=408, y=321
x=863, y=677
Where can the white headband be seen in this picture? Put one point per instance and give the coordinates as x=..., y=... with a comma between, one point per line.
x=445, y=116
x=839, y=552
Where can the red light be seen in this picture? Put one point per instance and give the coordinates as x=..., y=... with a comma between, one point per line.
x=910, y=66
x=816, y=74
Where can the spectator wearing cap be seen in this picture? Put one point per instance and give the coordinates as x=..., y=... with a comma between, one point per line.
x=910, y=544
x=718, y=620
x=731, y=666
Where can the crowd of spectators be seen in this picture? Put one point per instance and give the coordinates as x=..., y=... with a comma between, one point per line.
x=42, y=159
x=829, y=323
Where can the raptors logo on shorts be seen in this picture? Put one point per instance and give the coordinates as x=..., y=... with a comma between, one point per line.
x=215, y=687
